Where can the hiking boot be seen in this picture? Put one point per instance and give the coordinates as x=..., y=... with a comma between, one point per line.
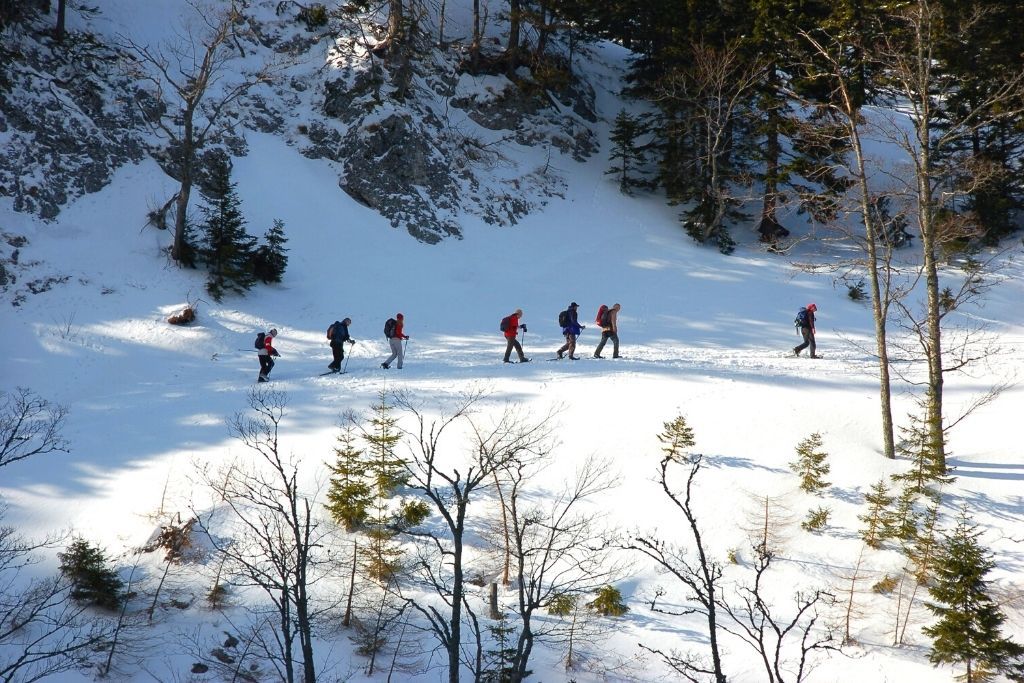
x=597, y=356
x=559, y=355
x=616, y=356
x=796, y=351
x=524, y=360
x=506, y=361
x=385, y=366
x=574, y=357
x=261, y=378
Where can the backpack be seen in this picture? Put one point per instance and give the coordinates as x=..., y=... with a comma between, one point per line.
x=330, y=331
x=389, y=328
x=261, y=340
x=602, y=316
x=563, y=318
x=801, y=318
x=504, y=323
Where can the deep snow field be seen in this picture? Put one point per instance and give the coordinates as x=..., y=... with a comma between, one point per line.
x=703, y=335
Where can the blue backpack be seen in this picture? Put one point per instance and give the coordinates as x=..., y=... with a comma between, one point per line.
x=801, y=318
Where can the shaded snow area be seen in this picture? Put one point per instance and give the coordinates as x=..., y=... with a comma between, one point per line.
x=704, y=336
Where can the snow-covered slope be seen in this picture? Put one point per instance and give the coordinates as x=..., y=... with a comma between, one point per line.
x=703, y=335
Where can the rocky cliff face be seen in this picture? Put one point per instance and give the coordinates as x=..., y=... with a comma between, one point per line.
x=66, y=120
x=417, y=139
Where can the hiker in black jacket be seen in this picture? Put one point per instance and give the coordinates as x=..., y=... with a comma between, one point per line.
x=338, y=334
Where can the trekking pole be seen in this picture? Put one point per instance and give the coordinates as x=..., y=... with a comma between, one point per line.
x=352, y=346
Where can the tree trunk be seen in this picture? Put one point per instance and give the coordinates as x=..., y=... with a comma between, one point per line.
x=59, y=30
x=187, y=152
x=515, y=17
x=454, y=643
x=879, y=297
x=772, y=151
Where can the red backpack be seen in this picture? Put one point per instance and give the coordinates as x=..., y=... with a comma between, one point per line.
x=600, y=319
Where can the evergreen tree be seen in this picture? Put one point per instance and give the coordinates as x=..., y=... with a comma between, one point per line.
x=978, y=49
x=928, y=471
x=811, y=465
x=189, y=253
x=969, y=622
x=269, y=260
x=878, y=518
x=905, y=516
x=798, y=146
x=386, y=471
x=227, y=249
x=93, y=581
x=608, y=602
x=627, y=156
x=349, y=492
x=498, y=661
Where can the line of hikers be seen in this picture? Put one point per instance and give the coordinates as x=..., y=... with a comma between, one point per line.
x=394, y=331
x=607, y=319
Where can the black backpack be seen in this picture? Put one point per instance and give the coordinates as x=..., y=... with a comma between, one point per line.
x=504, y=324
x=563, y=318
x=389, y=328
x=261, y=340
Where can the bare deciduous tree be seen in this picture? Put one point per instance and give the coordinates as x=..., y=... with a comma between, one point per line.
x=280, y=544
x=693, y=568
x=29, y=425
x=938, y=175
x=190, y=104
x=450, y=485
x=556, y=551
x=784, y=644
x=712, y=95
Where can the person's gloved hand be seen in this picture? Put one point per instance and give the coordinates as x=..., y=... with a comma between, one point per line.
x=523, y=328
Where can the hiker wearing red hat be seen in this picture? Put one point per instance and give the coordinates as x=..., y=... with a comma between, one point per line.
x=394, y=331
x=805, y=324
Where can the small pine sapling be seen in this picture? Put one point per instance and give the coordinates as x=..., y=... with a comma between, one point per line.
x=878, y=518
x=928, y=472
x=269, y=261
x=348, y=494
x=499, y=659
x=817, y=519
x=811, y=465
x=93, y=580
x=885, y=585
x=608, y=602
x=562, y=605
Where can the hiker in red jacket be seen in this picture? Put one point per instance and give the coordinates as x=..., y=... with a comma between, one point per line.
x=266, y=356
x=395, y=341
x=510, y=326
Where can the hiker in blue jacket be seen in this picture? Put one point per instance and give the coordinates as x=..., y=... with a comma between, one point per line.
x=805, y=318
x=570, y=331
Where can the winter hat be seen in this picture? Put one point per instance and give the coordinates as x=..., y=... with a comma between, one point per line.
x=574, y=305
x=400, y=316
x=273, y=331
x=812, y=307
